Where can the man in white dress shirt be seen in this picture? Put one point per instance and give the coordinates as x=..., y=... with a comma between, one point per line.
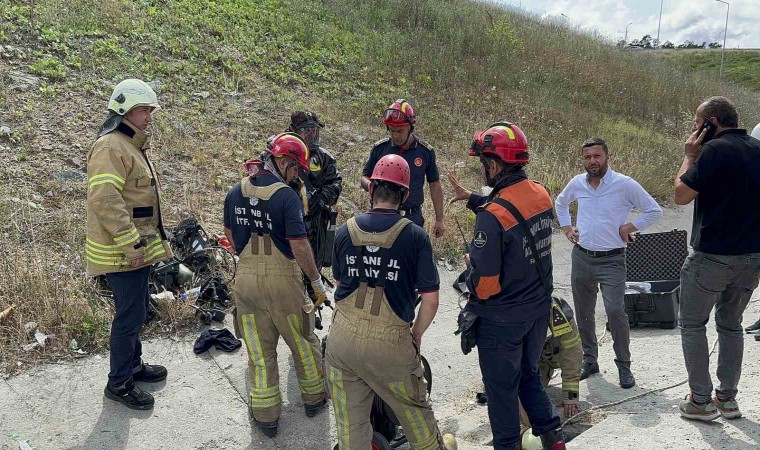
x=602, y=232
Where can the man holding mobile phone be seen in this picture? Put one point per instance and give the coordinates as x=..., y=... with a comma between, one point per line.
x=720, y=175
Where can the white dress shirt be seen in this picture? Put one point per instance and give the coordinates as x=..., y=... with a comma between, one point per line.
x=603, y=210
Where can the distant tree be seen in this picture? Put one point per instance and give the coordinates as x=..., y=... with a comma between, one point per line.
x=714, y=45
x=668, y=44
x=691, y=44
x=646, y=41
x=621, y=43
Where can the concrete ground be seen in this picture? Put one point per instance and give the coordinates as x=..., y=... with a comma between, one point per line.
x=203, y=403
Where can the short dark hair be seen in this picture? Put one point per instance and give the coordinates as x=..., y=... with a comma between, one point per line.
x=722, y=109
x=385, y=191
x=595, y=141
x=299, y=117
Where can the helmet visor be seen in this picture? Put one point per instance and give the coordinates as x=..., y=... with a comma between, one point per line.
x=476, y=148
x=396, y=116
x=310, y=133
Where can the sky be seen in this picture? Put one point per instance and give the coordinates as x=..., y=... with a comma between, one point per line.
x=695, y=20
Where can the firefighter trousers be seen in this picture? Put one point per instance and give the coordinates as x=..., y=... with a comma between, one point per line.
x=370, y=355
x=271, y=302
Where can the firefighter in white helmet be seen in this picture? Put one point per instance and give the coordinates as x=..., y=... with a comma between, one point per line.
x=125, y=234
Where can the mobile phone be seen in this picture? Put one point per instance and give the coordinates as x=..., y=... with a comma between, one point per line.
x=710, y=127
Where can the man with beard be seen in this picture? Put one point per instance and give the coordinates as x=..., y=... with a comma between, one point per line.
x=263, y=220
x=602, y=232
x=719, y=173
x=399, y=120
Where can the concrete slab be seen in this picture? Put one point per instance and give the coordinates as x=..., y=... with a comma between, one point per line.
x=203, y=404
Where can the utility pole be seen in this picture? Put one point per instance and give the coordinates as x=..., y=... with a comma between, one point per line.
x=625, y=39
x=658, y=24
x=725, y=32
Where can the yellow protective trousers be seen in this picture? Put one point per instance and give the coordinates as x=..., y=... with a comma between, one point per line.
x=271, y=302
x=369, y=355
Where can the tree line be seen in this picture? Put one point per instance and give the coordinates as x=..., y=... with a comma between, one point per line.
x=648, y=42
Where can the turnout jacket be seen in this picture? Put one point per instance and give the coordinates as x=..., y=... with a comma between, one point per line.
x=563, y=352
x=123, y=206
x=323, y=185
x=503, y=280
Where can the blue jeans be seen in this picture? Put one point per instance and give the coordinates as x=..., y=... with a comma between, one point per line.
x=130, y=296
x=509, y=354
x=725, y=282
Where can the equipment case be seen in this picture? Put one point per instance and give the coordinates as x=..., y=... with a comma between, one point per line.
x=656, y=258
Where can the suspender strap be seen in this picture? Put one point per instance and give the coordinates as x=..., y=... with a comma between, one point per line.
x=529, y=236
x=361, y=293
x=263, y=193
x=377, y=299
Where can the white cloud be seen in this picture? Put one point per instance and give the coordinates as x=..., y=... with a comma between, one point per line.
x=696, y=20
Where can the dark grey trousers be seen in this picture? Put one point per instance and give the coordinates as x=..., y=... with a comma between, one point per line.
x=587, y=276
x=725, y=282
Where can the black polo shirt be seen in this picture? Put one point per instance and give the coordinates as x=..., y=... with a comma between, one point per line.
x=727, y=211
x=422, y=166
x=282, y=214
x=411, y=264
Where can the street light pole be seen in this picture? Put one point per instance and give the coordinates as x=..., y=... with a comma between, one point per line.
x=659, y=23
x=626, y=32
x=725, y=32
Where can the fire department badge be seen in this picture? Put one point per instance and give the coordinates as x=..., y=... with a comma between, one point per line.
x=372, y=248
x=418, y=162
x=254, y=201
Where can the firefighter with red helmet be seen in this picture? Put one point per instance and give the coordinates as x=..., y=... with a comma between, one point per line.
x=399, y=120
x=508, y=294
x=263, y=220
x=380, y=259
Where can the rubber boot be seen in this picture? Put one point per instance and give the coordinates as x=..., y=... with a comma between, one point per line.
x=553, y=440
x=627, y=380
x=313, y=410
x=268, y=428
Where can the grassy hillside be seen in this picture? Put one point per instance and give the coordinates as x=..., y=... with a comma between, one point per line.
x=230, y=72
x=740, y=66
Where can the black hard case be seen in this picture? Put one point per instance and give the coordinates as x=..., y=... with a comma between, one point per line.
x=656, y=258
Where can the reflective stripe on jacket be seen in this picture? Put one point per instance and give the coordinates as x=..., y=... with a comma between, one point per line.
x=123, y=208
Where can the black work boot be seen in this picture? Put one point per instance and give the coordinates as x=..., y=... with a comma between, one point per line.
x=588, y=369
x=314, y=409
x=754, y=328
x=553, y=440
x=268, y=428
x=150, y=373
x=130, y=395
x=626, y=376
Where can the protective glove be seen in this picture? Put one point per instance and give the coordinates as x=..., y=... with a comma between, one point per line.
x=316, y=203
x=320, y=292
x=468, y=329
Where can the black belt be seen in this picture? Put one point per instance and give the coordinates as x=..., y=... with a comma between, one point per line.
x=600, y=253
x=410, y=211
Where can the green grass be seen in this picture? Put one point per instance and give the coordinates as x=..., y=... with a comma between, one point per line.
x=740, y=66
x=230, y=72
